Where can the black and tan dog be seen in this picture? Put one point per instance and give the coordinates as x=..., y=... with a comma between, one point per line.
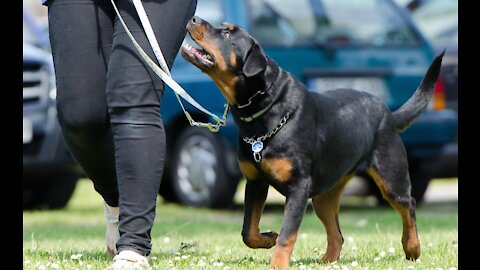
x=306, y=144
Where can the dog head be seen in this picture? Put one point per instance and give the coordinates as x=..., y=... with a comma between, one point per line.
x=229, y=55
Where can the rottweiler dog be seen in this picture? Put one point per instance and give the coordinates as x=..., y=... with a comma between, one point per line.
x=306, y=144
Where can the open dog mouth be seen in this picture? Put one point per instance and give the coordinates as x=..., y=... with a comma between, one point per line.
x=197, y=55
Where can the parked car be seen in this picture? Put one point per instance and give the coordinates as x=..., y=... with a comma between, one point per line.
x=438, y=21
x=49, y=172
x=370, y=45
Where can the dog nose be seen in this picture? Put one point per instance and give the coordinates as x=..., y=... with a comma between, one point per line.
x=196, y=20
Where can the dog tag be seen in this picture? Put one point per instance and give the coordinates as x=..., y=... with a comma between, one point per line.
x=257, y=146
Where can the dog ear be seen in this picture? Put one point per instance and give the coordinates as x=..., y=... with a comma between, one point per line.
x=255, y=61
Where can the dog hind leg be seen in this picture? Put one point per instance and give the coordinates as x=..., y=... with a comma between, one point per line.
x=389, y=169
x=327, y=206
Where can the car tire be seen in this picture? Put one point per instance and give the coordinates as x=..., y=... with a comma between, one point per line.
x=52, y=194
x=166, y=188
x=419, y=178
x=198, y=172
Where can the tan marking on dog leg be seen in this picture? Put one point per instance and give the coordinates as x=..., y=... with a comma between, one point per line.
x=410, y=241
x=278, y=168
x=255, y=239
x=283, y=252
x=248, y=170
x=326, y=207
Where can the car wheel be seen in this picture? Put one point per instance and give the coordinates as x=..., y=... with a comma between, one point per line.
x=51, y=193
x=419, y=179
x=198, y=172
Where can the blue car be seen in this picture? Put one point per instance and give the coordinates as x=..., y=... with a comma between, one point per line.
x=368, y=45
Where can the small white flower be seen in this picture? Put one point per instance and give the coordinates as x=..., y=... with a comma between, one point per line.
x=294, y=259
x=345, y=268
x=302, y=267
x=391, y=250
x=154, y=257
x=350, y=239
x=335, y=266
x=76, y=256
x=201, y=263
x=410, y=267
x=303, y=236
x=184, y=257
x=177, y=258
x=55, y=266
x=42, y=267
x=376, y=259
x=382, y=254
x=166, y=240
x=354, y=263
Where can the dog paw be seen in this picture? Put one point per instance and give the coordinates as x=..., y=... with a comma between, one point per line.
x=328, y=258
x=263, y=240
x=412, y=255
x=270, y=239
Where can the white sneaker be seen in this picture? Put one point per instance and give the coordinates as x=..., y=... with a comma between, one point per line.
x=129, y=260
x=112, y=234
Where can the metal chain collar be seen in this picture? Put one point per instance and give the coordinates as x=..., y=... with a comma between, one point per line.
x=257, y=144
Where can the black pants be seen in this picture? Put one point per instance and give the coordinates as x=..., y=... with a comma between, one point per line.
x=108, y=101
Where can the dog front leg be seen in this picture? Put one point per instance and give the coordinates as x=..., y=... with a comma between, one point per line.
x=255, y=196
x=294, y=210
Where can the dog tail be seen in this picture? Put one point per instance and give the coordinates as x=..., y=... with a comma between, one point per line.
x=409, y=111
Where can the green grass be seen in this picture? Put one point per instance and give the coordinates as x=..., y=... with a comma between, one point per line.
x=189, y=238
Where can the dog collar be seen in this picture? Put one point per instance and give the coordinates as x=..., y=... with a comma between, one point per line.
x=259, y=92
x=257, y=114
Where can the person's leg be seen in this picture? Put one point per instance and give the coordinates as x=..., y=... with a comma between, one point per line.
x=81, y=40
x=133, y=99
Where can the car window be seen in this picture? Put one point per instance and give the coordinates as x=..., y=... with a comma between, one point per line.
x=438, y=20
x=210, y=10
x=348, y=22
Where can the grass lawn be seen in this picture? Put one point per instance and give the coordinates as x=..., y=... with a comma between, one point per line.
x=189, y=238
